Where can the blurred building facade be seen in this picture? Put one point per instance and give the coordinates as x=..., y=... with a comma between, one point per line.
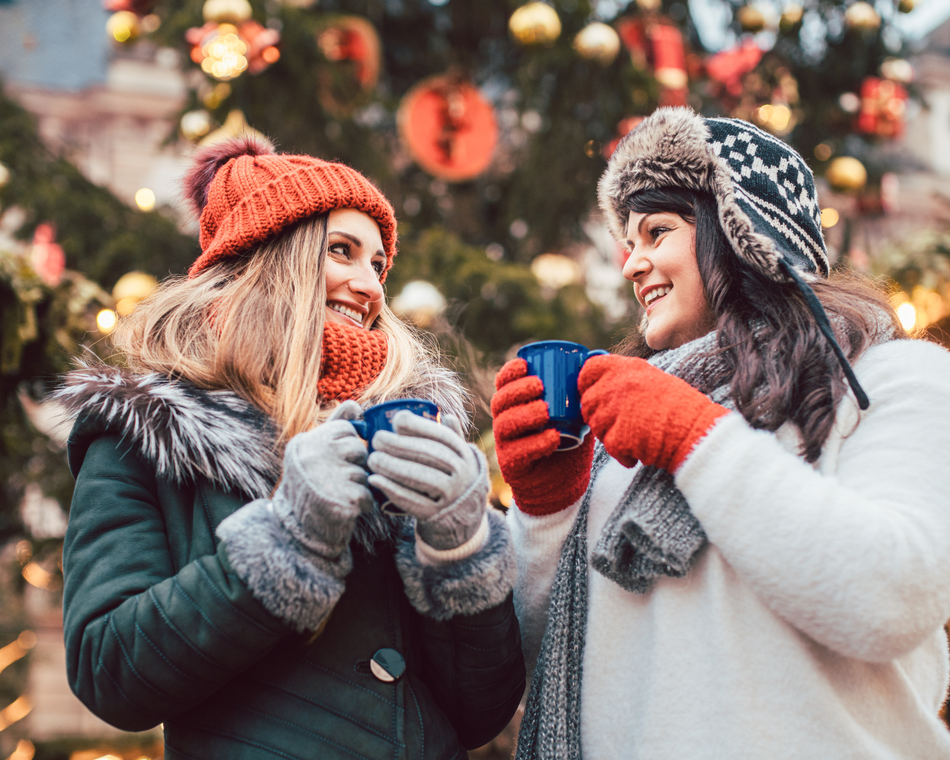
x=110, y=110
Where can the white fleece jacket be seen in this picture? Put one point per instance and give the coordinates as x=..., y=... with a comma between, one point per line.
x=811, y=623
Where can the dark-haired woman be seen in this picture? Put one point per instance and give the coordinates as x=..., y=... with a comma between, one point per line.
x=228, y=572
x=753, y=560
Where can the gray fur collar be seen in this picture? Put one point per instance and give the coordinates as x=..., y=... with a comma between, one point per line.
x=184, y=431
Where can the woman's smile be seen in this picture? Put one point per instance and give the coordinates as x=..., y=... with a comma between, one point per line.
x=351, y=312
x=649, y=296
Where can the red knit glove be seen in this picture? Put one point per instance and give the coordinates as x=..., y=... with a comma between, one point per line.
x=542, y=479
x=643, y=414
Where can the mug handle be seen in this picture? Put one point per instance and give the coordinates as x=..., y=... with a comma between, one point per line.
x=596, y=352
x=360, y=426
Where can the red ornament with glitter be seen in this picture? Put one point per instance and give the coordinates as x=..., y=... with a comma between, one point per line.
x=883, y=103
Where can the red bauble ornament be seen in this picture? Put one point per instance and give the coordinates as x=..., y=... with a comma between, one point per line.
x=449, y=128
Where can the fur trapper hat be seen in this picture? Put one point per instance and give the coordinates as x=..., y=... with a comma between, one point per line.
x=245, y=193
x=764, y=190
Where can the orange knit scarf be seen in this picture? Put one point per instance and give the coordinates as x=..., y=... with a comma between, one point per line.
x=352, y=358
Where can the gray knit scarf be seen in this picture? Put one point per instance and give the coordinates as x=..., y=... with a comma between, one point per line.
x=651, y=533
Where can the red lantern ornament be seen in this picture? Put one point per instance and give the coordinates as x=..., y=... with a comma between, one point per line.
x=353, y=51
x=669, y=64
x=883, y=103
x=46, y=255
x=651, y=41
x=634, y=38
x=448, y=127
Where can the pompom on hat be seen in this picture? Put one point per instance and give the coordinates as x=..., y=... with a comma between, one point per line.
x=764, y=192
x=245, y=194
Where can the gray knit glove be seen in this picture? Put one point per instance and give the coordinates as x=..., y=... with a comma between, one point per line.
x=430, y=472
x=324, y=487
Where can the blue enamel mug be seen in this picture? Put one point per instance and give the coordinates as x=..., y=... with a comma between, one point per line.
x=558, y=363
x=380, y=417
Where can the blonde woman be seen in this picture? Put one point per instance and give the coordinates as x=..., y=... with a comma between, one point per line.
x=228, y=573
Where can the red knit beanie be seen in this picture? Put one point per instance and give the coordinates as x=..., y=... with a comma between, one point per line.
x=246, y=193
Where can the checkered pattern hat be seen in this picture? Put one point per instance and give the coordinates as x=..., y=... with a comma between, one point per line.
x=764, y=191
x=768, y=205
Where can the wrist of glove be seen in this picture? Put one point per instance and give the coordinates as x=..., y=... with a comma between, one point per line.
x=430, y=472
x=543, y=480
x=324, y=484
x=641, y=413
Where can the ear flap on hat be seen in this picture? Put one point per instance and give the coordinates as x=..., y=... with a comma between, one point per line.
x=207, y=161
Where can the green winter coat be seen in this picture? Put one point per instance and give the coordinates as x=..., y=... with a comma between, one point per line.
x=160, y=629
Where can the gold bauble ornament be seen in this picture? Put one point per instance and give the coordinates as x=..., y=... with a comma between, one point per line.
x=751, y=19
x=791, y=18
x=846, y=174
x=535, y=24
x=649, y=5
x=123, y=26
x=597, y=42
x=196, y=124
x=906, y=6
x=862, y=17
x=130, y=289
x=226, y=11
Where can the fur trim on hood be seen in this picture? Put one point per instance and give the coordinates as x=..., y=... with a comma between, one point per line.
x=187, y=432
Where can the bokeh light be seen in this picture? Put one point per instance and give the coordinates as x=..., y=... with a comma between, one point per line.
x=145, y=199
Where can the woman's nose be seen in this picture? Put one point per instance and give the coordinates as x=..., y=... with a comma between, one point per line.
x=635, y=266
x=366, y=282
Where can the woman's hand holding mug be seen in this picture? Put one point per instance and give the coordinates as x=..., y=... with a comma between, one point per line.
x=641, y=413
x=544, y=478
x=323, y=488
x=429, y=471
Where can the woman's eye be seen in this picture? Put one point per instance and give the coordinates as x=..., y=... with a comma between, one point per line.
x=657, y=231
x=379, y=266
x=341, y=249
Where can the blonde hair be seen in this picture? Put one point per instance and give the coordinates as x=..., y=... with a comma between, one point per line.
x=253, y=324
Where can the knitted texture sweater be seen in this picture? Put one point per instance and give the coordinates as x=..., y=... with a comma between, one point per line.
x=811, y=624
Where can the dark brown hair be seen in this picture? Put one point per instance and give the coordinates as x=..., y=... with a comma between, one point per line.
x=780, y=367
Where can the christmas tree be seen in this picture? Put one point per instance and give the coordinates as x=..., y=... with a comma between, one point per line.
x=487, y=123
